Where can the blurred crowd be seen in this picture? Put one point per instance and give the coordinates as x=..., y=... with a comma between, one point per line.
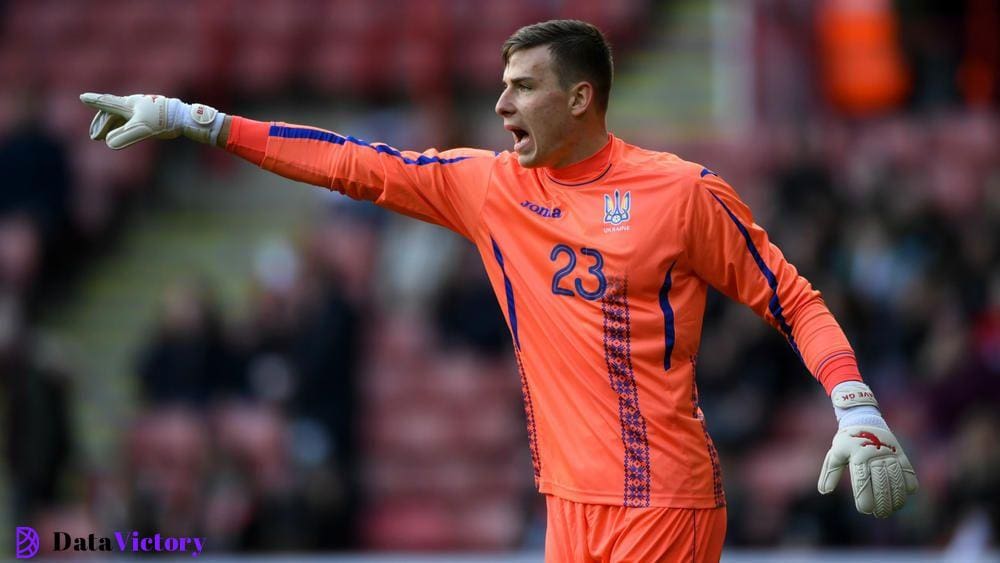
x=341, y=415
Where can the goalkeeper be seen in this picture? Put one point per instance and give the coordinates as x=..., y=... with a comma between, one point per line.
x=600, y=254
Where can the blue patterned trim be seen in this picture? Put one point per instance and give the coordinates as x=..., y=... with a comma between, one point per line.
x=529, y=415
x=618, y=356
x=713, y=454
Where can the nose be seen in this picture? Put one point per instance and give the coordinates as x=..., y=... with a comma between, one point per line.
x=504, y=108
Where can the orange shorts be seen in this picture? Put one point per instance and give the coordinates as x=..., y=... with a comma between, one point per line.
x=593, y=532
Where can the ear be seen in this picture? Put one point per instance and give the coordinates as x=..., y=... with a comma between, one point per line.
x=581, y=97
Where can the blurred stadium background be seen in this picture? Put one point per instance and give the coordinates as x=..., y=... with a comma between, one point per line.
x=191, y=346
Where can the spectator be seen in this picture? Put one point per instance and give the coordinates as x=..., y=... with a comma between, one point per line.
x=188, y=359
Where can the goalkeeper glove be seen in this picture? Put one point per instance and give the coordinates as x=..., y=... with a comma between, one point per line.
x=881, y=475
x=124, y=120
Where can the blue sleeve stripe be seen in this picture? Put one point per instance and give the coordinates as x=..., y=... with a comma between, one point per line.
x=832, y=356
x=775, y=304
x=668, y=318
x=511, y=310
x=329, y=137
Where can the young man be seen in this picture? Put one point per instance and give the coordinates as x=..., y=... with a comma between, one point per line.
x=600, y=254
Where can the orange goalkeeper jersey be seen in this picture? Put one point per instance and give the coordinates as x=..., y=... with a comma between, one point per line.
x=601, y=270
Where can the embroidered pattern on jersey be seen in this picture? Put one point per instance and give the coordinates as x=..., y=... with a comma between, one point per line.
x=618, y=356
x=529, y=415
x=713, y=454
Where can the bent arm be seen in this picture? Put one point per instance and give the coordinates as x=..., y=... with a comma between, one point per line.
x=735, y=255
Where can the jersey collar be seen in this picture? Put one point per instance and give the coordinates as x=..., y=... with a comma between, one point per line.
x=586, y=171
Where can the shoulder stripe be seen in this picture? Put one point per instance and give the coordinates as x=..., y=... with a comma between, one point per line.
x=286, y=132
x=774, y=305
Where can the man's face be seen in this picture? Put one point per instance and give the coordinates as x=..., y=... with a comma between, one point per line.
x=535, y=108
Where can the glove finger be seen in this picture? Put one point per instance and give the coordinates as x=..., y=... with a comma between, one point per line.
x=909, y=475
x=887, y=486
x=881, y=490
x=829, y=474
x=104, y=122
x=898, y=484
x=128, y=134
x=109, y=103
x=861, y=483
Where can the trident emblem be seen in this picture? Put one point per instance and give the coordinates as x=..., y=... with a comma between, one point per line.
x=617, y=213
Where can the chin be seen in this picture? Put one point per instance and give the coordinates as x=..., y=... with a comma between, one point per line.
x=528, y=160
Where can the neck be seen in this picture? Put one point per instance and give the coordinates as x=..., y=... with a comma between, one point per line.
x=585, y=146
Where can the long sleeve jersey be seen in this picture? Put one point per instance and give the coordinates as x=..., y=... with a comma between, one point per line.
x=601, y=270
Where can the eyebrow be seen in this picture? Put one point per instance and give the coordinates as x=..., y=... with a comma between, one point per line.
x=519, y=80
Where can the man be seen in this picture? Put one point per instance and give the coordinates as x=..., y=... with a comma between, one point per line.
x=600, y=254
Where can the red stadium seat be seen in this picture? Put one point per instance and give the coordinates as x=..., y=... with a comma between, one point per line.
x=491, y=424
x=490, y=523
x=261, y=68
x=418, y=430
x=410, y=524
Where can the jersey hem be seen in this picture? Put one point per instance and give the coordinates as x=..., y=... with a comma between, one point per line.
x=615, y=499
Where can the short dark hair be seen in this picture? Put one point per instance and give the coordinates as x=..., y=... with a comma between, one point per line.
x=579, y=50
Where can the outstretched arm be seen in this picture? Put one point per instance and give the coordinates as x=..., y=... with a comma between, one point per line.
x=446, y=188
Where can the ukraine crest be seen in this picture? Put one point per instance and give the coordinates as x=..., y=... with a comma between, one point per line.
x=616, y=209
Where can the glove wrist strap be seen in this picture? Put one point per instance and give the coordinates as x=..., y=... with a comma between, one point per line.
x=198, y=122
x=852, y=394
x=855, y=404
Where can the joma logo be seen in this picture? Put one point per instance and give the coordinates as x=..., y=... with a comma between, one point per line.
x=554, y=213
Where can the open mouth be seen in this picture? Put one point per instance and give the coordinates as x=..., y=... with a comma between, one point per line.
x=521, y=137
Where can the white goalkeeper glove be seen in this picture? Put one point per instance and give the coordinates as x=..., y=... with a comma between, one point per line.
x=124, y=120
x=881, y=475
